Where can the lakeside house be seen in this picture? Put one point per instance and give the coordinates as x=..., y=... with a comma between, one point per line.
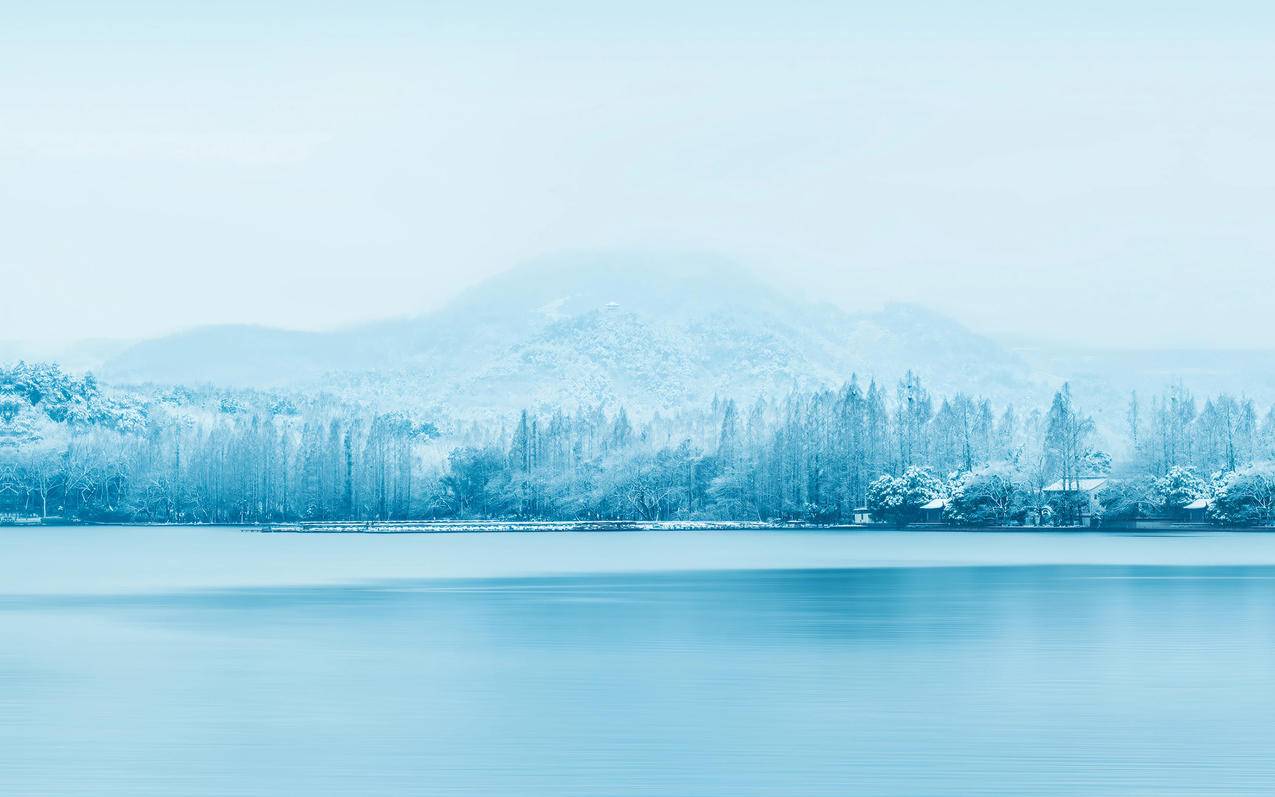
x=1080, y=495
x=1197, y=511
x=932, y=511
x=862, y=517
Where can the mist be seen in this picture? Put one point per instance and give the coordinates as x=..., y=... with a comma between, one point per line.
x=1085, y=176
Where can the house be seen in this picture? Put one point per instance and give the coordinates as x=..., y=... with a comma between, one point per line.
x=932, y=512
x=862, y=517
x=1197, y=511
x=1077, y=498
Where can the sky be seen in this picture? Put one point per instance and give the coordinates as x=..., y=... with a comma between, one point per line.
x=1099, y=174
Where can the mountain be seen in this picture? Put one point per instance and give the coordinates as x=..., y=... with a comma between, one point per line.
x=232, y=355
x=652, y=331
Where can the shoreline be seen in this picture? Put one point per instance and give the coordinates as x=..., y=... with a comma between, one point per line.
x=392, y=527
x=532, y=526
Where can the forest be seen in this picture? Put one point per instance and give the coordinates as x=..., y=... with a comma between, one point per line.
x=73, y=450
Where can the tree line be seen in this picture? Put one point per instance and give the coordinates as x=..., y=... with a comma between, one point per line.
x=73, y=449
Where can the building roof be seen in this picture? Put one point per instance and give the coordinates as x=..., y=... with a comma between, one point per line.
x=937, y=503
x=1200, y=503
x=1075, y=485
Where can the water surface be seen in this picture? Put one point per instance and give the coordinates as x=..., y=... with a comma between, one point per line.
x=875, y=677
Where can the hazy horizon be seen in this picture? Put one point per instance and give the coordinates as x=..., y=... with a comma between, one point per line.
x=1027, y=172
x=54, y=344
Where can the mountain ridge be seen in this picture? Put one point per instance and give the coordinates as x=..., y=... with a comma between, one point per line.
x=652, y=331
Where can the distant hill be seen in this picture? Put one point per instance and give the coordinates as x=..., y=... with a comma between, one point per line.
x=652, y=331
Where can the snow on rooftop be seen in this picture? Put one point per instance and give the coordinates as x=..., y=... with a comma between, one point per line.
x=1200, y=503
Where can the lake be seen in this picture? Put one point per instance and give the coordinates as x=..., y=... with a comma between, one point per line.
x=201, y=661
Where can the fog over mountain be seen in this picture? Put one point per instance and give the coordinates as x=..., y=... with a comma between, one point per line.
x=653, y=331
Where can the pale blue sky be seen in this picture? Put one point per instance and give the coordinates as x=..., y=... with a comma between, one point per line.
x=1096, y=172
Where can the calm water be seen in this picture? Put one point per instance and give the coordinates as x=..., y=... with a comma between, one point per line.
x=1034, y=678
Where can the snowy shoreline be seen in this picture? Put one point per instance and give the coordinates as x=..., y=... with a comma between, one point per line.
x=536, y=526
x=515, y=526
x=494, y=526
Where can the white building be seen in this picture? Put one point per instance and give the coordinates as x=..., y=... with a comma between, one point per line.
x=1197, y=511
x=1087, y=492
x=932, y=512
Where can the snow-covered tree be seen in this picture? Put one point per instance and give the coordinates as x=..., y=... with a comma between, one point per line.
x=897, y=500
x=992, y=495
x=1179, y=487
x=1246, y=497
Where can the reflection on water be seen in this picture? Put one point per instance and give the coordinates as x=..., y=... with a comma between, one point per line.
x=960, y=681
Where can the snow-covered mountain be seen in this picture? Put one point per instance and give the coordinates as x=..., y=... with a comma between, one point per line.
x=653, y=331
